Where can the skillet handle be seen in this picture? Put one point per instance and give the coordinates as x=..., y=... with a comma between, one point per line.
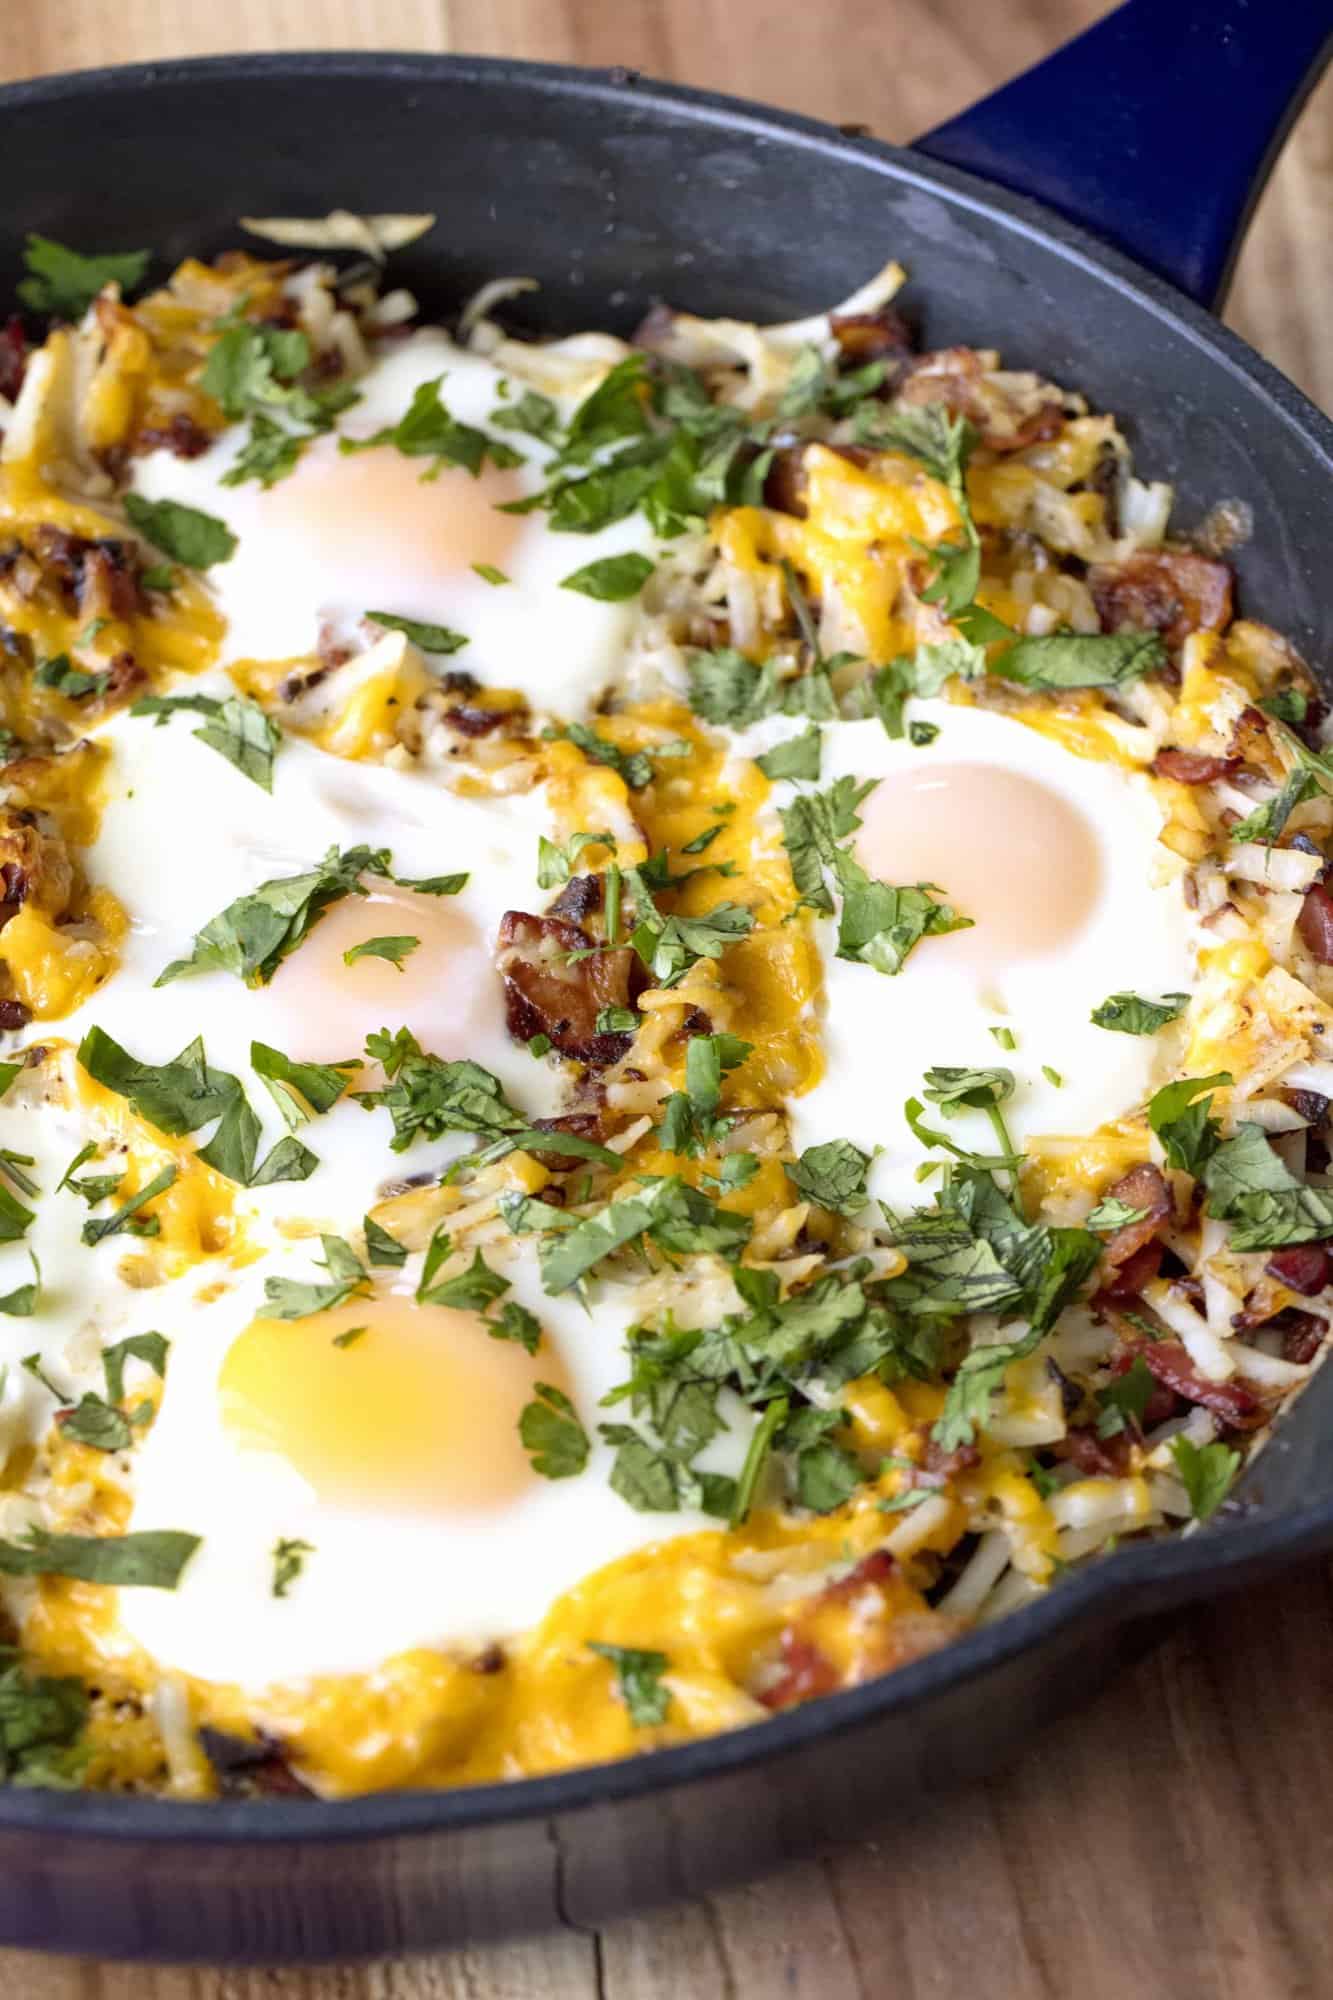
x=1156, y=128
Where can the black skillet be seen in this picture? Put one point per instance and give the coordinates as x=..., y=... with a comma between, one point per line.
x=1153, y=132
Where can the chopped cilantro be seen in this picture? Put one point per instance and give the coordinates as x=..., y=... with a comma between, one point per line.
x=639, y=1681
x=1132, y=1014
x=552, y=1435
x=184, y=533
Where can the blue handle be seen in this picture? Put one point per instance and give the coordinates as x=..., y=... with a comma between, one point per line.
x=1156, y=128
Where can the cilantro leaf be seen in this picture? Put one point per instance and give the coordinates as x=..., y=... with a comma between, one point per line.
x=639, y=1679
x=471, y=1290
x=179, y=1097
x=878, y=924
x=300, y=1090
x=286, y=1298
x=675, y=1216
x=1132, y=1014
x=97, y=1228
x=95, y=1423
x=393, y=949
x=153, y=1559
x=381, y=1247
x=428, y=638
x=923, y=673
x=288, y=1561
x=533, y=414
x=74, y=683
x=797, y=758
x=1206, y=1473
x=427, y=1096
x=756, y=1456
x=552, y=1435
x=1183, y=1125
x=42, y=1718
x=151, y=1348
x=253, y=935
x=1081, y=659
x=1266, y=1206
x=1112, y=1213
x=64, y=283
x=236, y=728
x=1267, y=821
x=514, y=1322
x=184, y=533
x=832, y=1175
x=426, y=430
x=669, y=946
x=612, y=579
x=23, y=1301
x=1123, y=1401
x=726, y=688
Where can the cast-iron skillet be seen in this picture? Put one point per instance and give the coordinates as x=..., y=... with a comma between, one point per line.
x=1154, y=129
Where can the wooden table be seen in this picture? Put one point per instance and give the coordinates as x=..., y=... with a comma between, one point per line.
x=1177, y=1837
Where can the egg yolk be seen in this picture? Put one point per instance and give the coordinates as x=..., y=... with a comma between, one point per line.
x=443, y=987
x=1018, y=859
x=371, y=512
x=417, y=1413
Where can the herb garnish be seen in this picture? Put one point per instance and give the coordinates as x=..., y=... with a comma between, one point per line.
x=639, y=1681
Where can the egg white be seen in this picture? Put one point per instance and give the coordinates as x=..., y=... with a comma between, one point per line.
x=280, y=592
x=882, y=1032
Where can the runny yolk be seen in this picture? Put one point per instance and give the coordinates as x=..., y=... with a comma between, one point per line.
x=418, y=1413
x=1018, y=859
x=372, y=513
x=444, y=988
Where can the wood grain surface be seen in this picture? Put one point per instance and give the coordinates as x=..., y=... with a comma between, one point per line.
x=1176, y=1839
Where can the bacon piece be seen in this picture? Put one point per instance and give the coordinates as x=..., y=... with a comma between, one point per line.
x=100, y=579
x=784, y=482
x=182, y=437
x=1311, y=1105
x=1169, y=591
x=1193, y=767
x=1315, y=923
x=1145, y=1187
x=581, y=897
x=1169, y=1364
x=549, y=993
x=940, y=1465
x=1302, y=1335
x=14, y=1014
x=1304, y=1268
x=871, y=336
x=243, y=1767
x=805, y=1673
x=472, y=721
x=1139, y=1269
x=13, y=357
x=1096, y=1458
x=954, y=376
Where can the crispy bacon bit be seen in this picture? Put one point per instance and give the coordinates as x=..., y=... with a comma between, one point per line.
x=1193, y=767
x=1315, y=924
x=1311, y=1105
x=805, y=1673
x=1169, y=1364
x=1138, y=1269
x=243, y=1767
x=1162, y=590
x=13, y=357
x=1145, y=1187
x=784, y=482
x=1303, y=1335
x=1305, y=1268
x=547, y=992
x=124, y=677
x=13, y=1014
x=1096, y=1458
x=940, y=1465
x=581, y=897
x=99, y=579
x=472, y=721
x=871, y=336
x=182, y=437
x=953, y=376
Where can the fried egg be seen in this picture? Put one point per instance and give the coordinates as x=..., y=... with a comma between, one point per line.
x=349, y=533
x=382, y=1436
x=183, y=834
x=1056, y=861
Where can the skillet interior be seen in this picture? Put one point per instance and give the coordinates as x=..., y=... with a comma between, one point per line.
x=613, y=194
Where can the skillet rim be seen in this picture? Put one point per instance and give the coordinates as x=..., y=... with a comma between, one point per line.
x=1142, y=1580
